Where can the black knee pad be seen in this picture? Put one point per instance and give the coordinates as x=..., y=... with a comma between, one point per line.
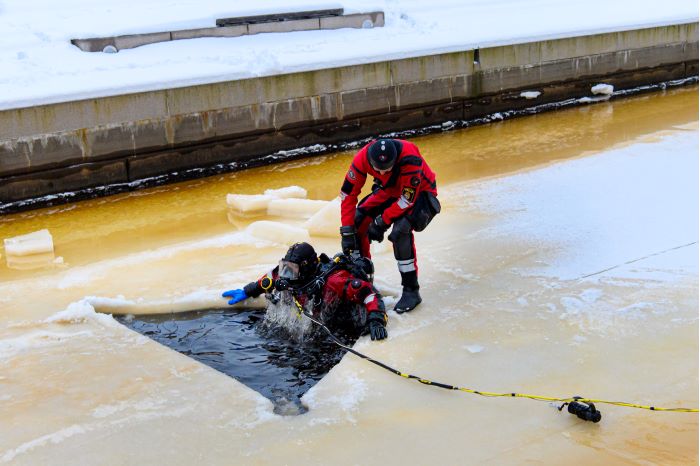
x=402, y=237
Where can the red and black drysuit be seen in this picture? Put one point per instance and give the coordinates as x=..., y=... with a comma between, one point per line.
x=342, y=301
x=395, y=195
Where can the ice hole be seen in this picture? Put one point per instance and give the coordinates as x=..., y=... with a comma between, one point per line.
x=241, y=344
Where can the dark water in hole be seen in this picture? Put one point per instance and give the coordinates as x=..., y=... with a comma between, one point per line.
x=238, y=343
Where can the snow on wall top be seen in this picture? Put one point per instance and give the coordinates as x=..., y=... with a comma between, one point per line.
x=39, y=65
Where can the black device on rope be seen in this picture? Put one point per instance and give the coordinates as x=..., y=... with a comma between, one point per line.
x=582, y=410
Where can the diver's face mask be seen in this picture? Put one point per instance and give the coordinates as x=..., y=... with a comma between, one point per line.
x=289, y=271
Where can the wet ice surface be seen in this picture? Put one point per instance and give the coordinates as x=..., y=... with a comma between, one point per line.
x=530, y=207
x=238, y=343
x=591, y=227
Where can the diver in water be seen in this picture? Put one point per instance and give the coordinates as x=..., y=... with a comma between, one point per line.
x=338, y=291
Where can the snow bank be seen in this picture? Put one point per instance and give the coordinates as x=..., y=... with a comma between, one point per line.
x=39, y=65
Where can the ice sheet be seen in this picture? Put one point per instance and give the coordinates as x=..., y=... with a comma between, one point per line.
x=277, y=232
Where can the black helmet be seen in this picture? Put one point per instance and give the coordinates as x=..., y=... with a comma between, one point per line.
x=299, y=264
x=382, y=154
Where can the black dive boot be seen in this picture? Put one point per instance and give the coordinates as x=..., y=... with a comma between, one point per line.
x=410, y=298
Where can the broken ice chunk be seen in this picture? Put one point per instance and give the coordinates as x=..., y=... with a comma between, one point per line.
x=295, y=192
x=37, y=242
x=326, y=221
x=296, y=208
x=249, y=203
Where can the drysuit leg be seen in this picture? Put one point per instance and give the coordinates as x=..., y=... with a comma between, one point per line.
x=405, y=252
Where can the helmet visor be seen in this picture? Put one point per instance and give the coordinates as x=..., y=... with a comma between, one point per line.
x=289, y=270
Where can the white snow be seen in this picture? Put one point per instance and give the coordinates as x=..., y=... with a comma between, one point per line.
x=39, y=65
x=80, y=312
x=530, y=94
x=602, y=89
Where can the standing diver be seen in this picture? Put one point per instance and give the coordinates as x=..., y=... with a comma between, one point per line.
x=404, y=195
x=339, y=291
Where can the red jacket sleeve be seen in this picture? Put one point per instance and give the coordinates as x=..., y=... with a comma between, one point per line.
x=352, y=185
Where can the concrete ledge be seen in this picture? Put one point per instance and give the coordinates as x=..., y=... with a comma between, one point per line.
x=226, y=31
x=153, y=133
x=357, y=21
x=285, y=26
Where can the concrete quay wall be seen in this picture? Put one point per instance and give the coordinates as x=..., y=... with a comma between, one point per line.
x=75, y=145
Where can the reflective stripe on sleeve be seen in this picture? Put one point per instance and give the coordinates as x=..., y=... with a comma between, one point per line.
x=370, y=298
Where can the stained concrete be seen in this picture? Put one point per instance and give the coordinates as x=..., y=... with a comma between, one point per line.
x=153, y=133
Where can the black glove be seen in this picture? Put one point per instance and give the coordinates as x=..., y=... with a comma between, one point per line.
x=376, y=229
x=348, y=240
x=377, y=325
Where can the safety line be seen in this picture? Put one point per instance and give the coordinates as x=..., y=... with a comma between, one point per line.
x=424, y=381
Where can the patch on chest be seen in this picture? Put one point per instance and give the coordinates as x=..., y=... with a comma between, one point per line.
x=408, y=193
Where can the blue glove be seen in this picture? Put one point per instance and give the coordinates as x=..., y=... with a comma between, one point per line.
x=236, y=296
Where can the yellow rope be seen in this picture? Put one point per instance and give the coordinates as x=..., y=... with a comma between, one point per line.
x=478, y=392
